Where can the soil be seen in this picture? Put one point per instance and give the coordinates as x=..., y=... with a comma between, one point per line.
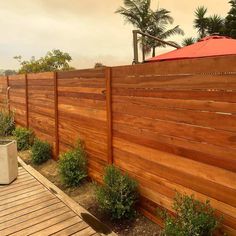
x=84, y=195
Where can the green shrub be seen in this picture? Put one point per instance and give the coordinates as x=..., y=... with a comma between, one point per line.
x=41, y=151
x=73, y=166
x=7, y=123
x=192, y=218
x=24, y=138
x=118, y=195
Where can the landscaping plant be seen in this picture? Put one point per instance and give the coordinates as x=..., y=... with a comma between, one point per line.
x=24, y=138
x=7, y=123
x=118, y=195
x=73, y=166
x=192, y=218
x=41, y=151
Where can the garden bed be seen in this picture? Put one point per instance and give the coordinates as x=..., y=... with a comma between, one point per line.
x=84, y=195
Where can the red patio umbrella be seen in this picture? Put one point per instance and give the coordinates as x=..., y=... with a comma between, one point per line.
x=207, y=47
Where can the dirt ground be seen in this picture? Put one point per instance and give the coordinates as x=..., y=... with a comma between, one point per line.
x=84, y=195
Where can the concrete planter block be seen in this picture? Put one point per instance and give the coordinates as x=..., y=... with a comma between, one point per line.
x=8, y=161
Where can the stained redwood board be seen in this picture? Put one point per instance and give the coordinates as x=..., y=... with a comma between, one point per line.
x=17, y=98
x=83, y=115
x=171, y=125
x=41, y=106
x=181, y=113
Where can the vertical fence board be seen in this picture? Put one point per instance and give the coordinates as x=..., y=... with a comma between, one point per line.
x=3, y=92
x=56, y=115
x=108, y=77
x=26, y=101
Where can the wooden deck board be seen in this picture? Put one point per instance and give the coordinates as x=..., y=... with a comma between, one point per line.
x=32, y=205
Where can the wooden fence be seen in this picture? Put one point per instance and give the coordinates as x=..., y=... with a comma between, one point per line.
x=171, y=125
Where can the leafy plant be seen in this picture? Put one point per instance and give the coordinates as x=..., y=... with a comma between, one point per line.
x=41, y=151
x=24, y=138
x=157, y=23
x=73, y=166
x=7, y=123
x=54, y=60
x=118, y=195
x=192, y=218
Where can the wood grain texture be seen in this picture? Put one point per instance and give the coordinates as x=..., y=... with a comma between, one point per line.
x=171, y=125
x=82, y=110
x=24, y=211
x=174, y=130
x=41, y=107
x=17, y=94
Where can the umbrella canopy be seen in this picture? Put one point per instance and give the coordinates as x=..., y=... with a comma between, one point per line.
x=207, y=47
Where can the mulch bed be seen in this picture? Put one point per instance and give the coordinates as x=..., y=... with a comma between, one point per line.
x=84, y=195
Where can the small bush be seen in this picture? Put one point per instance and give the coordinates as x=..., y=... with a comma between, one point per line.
x=192, y=218
x=41, y=152
x=73, y=166
x=24, y=138
x=7, y=123
x=118, y=195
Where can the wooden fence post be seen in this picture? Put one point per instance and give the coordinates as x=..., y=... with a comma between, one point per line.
x=8, y=95
x=26, y=101
x=56, y=115
x=108, y=74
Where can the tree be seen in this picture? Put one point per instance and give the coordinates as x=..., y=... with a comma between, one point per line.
x=206, y=25
x=215, y=24
x=54, y=60
x=188, y=41
x=142, y=17
x=138, y=13
x=230, y=21
x=158, y=27
x=99, y=65
x=201, y=21
x=10, y=72
x=7, y=72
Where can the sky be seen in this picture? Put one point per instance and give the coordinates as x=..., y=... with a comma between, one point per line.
x=88, y=30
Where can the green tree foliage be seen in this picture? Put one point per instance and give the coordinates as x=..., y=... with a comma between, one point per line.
x=188, y=41
x=73, y=165
x=205, y=25
x=119, y=194
x=193, y=218
x=8, y=72
x=7, y=123
x=54, y=60
x=142, y=17
x=215, y=24
x=41, y=151
x=230, y=21
x=24, y=138
x=201, y=21
x=99, y=65
x=159, y=27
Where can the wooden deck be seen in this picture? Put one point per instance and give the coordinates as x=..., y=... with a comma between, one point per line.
x=32, y=205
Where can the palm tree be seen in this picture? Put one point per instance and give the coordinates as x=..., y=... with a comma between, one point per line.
x=188, y=41
x=201, y=21
x=215, y=24
x=158, y=27
x=138, y=13
x=155, y=23
x=230, y=21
